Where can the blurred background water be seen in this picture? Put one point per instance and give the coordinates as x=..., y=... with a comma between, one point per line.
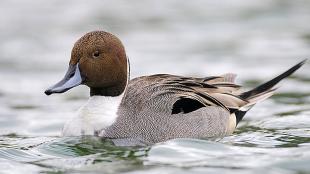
x=256, y=39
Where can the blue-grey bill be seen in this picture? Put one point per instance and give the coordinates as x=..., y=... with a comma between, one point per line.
x=72, y=79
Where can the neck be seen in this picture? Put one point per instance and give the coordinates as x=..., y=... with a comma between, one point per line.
x=99, y=112
x=113, y=91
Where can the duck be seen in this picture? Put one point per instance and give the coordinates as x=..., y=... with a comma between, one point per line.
x=155, y=108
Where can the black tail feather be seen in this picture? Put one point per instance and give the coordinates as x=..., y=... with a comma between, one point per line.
x=270, y=84
x=239, y=116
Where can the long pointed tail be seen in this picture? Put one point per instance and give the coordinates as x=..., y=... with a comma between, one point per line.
x=264, y=88
x=263, y=91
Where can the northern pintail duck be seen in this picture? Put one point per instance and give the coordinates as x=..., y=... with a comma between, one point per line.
x=154, y=108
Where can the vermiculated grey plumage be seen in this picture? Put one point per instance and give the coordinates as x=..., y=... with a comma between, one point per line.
x=146, y=110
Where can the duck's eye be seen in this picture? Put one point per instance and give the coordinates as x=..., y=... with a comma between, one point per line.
x=96, y=54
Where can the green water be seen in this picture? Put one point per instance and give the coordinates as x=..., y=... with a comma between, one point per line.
x=256, y=39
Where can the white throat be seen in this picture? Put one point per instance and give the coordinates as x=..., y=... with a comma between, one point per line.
x=98, y=113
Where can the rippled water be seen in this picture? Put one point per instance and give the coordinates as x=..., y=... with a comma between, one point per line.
x=256, y=39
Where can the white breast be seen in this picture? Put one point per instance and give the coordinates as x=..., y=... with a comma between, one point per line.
x=98, y=113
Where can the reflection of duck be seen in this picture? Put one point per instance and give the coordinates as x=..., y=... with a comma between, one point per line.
x=151, y=108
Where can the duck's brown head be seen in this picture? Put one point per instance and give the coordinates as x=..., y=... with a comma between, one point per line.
x=98, y=60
